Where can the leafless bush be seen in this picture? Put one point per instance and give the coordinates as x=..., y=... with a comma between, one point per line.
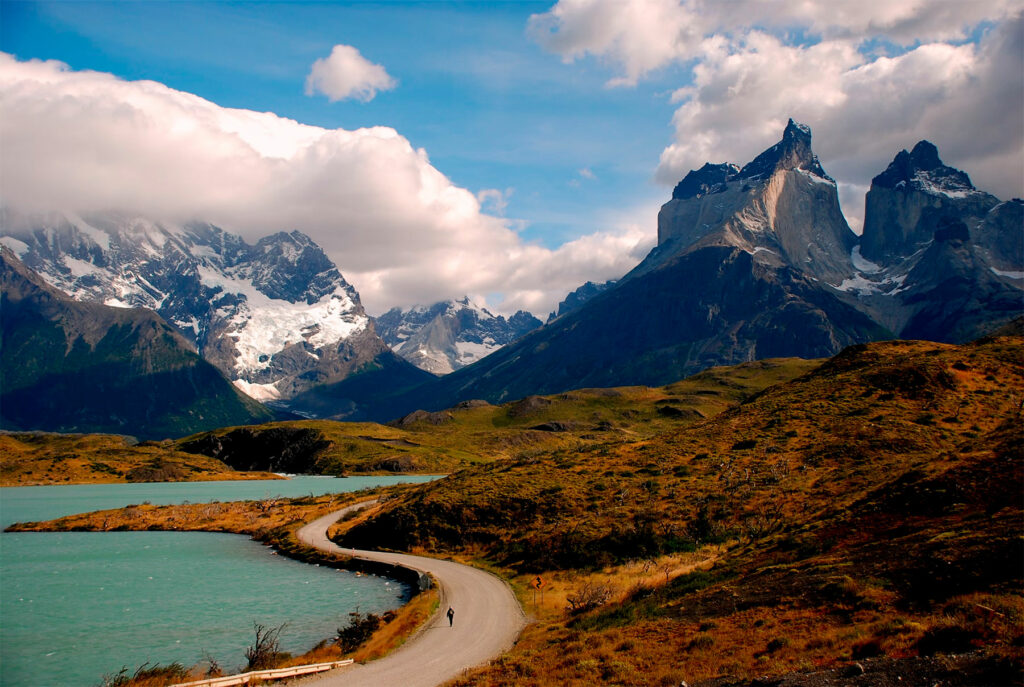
x=589, y=595
x=265, y=651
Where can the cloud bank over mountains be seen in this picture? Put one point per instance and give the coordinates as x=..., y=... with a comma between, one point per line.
x=397, y=228
x=870, y=76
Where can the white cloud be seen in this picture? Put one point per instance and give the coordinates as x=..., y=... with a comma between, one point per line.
x=347, y=74
x=398, y=229
x=494, y=200
x=749, y=75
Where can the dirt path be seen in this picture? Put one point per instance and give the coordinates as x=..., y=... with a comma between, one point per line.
x=488, y=619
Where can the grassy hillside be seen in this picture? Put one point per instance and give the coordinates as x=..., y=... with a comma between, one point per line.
x=870, y=508
x=36, y=458
x=473, y=433
x=476, y=432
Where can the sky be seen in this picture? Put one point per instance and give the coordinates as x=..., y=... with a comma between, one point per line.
x=506, y=150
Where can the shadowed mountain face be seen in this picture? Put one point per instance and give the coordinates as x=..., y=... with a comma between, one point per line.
x=758, y=261
x=83, y=367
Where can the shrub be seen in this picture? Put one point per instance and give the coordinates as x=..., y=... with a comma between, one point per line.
x=360, y=628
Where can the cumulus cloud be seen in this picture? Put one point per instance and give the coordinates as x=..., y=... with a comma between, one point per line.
x=400, y=230
x=347, y=74
x=748, y=75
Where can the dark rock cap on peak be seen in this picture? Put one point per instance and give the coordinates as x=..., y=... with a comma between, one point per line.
x=922, y=160
x=708, y=179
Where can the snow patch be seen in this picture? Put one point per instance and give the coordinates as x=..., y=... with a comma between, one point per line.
x=81, y=268
x=1010, y=274
x=857, y=284
x=815, y=178
x=261, y=392
x=469, y=352
x=862, y=264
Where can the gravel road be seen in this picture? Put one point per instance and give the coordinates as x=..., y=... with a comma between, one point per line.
x=488, y=619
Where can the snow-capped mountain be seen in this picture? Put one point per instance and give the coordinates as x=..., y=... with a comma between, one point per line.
x=72, y=366
x=276, y=317
x=446, y=336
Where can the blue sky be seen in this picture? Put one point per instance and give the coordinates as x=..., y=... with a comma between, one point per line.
x=491, y=107
x=552, y=131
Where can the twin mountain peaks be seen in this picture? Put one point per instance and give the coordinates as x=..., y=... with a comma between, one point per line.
x=752, y=261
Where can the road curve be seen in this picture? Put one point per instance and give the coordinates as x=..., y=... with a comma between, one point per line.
x=488, y=619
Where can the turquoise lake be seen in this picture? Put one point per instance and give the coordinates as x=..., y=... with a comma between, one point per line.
x=75, y=606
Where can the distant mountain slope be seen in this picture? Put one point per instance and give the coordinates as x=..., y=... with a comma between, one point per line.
x=758, y=261
x=276, y=317
x=84, y=367
x=449, y=335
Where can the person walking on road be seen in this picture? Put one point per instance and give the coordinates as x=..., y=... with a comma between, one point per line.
x=451, y=617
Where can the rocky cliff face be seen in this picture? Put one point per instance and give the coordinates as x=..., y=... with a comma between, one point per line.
x=73, y=366
x=276, y=317
x=907, y=201
x=449, y=335
x=939, y=259
x=781, y=205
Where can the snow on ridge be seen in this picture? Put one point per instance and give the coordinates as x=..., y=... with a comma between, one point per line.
x=98, y=236
x=20, y=248
x=469, y=352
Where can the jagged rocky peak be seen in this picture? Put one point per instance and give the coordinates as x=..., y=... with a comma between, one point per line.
x=908, y=200
x=792, y=152
x=780, y=207
x=292, y=267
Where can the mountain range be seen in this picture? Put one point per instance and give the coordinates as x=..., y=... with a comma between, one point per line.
x=276, y=317
x=758, y=261
x=752, y=261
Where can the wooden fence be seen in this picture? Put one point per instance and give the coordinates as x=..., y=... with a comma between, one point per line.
x=273, y=674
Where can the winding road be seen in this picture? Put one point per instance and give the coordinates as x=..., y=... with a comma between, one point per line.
x=488, y=619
